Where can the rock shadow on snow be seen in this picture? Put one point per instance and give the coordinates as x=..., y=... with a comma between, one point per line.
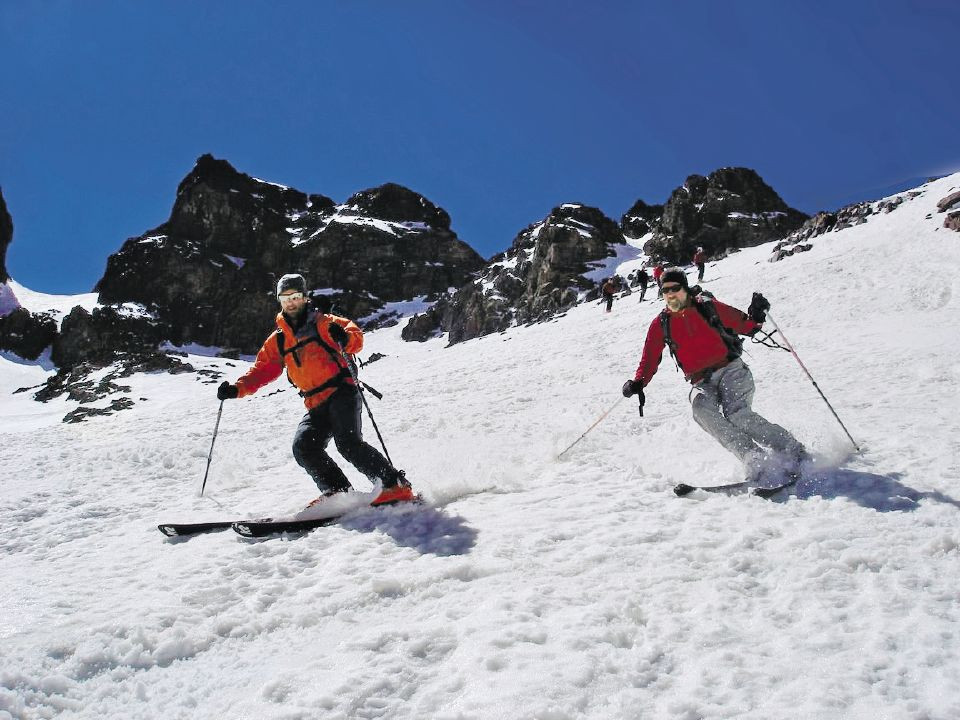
x=883, y=493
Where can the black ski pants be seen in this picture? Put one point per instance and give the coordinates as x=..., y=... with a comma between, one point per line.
x=337, y=418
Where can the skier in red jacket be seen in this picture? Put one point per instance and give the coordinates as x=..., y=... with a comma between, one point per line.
x=657, y=274
x=702, y=334
x=700, y=260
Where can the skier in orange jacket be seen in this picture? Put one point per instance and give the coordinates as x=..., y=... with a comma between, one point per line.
x=312, y=347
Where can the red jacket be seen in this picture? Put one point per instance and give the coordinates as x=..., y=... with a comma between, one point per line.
x=698, y=346
x=699, y=257
x=308, y=367
x=657, y=272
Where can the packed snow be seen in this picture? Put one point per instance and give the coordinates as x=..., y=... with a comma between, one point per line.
x=528, y=587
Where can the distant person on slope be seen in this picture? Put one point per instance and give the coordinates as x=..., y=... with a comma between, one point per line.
x=608, y=289
x=700, y=260
x=643, y=279
x=702, y=335
x=310, y=346
x=657, y=274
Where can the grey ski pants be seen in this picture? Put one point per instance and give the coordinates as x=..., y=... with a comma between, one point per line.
x=721, y=406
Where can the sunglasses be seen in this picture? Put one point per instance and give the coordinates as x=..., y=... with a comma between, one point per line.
x=290, y=296
x=672, y=288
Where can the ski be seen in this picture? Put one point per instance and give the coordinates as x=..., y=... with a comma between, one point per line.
x=737, y=488
x=732, y=489
x=768, y=492
x=261, y=528
x=184, y=529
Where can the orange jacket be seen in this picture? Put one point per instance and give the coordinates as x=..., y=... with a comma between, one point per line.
x=308, y=364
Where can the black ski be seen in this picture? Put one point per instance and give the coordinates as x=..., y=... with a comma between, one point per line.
x=731, y=489
x=738, y=488
x=261, y=528
x=182, y=529
x=768, y=492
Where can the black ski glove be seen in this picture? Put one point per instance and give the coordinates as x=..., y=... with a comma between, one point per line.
x=226, y=391
x=338, y=334
x=635, y=387
x=758, y=309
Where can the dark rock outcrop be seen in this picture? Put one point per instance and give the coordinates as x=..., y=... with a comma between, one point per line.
x=952, y=221
x=97, y=338
x=641, y=219
x=76, y=385
x=541, y=275
x=943, y=204
x=208, y=275
x=730, y=208
x=6, y=237
x=27, y=334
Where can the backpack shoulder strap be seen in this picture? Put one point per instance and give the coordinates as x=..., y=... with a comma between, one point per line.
x=709, y=312
x=668, y=338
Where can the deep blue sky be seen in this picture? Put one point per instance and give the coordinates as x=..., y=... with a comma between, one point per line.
x=495, y=110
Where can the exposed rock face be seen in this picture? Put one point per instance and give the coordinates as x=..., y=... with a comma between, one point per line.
x=92, y=382
x=952, y=221
x=641, y=219
x=208, y=275
x=26, y=334
x=943, y=204
x=539, y=276
x=6, y=237
x=730, y=208
x=98, y=337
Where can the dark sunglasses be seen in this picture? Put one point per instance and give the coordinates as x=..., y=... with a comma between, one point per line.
x=671, y=288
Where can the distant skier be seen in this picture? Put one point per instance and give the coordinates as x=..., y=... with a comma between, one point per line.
x=607, y=291
x=657, y=274
x=700, y=260
x=310, y=346
x=643, y=279
x=702, y=335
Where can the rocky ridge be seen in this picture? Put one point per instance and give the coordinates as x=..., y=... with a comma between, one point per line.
x=857, y=214
x=542, y=274
x=208, y=275
x=731, y=208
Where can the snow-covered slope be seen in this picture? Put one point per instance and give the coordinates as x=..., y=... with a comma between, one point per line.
x=534, y=588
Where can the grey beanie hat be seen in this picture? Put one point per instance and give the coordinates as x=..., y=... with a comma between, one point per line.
x=292, y=282
x=674, y=274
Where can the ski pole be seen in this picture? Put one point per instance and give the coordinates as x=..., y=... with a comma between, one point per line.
x=363, y=397
x=804, y=367
x=210, y=455
x=597, y=422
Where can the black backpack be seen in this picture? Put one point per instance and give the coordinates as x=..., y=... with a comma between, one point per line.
x=703, y=302
x=313, y=336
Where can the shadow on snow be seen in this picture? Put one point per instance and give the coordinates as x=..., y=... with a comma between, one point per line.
x=883, y=493
x=425, y=529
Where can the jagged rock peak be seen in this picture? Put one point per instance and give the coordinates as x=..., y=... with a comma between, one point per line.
x=398, y=204
x=640, y=219
x=542, y=274
x=6, y=237
x=728, y=209
x=220, y=176
x=208, y=275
